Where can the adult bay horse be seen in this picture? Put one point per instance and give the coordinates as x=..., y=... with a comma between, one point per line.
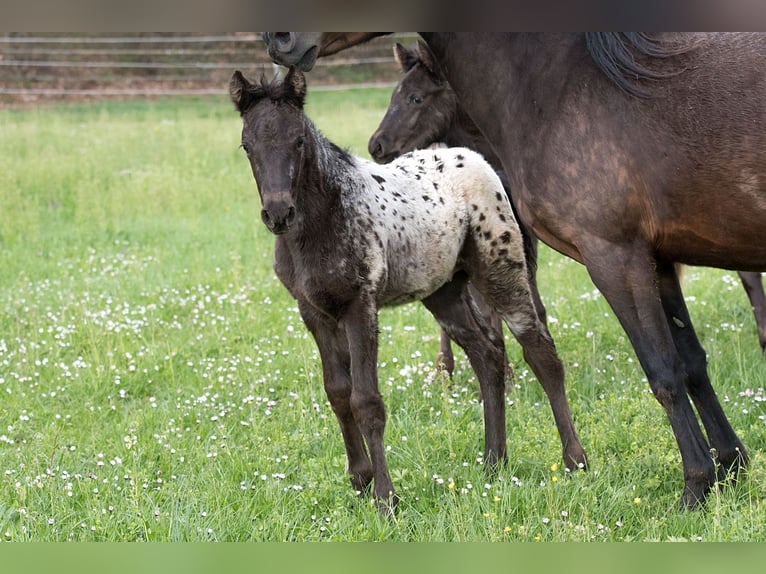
x=629, y=153
x=424, y=110
x=353, y=236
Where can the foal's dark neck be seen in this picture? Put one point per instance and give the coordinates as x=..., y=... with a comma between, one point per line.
x=319, y=185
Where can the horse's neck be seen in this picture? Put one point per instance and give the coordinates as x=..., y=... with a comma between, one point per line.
x=525, y=72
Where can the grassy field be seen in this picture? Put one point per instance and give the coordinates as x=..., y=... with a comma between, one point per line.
x=157, y=383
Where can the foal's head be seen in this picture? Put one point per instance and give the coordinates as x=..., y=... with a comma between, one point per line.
x=274, y=132
x=423, y=106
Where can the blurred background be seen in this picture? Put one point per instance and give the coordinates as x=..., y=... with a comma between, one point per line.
x=54, y=67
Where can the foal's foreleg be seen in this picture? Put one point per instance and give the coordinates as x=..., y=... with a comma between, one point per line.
x=360, y=323
x=336, y=371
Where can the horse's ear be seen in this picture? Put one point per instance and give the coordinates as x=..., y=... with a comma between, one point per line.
x=405, y=57
x=239, y=91
x=427, y=59
x=295, y=84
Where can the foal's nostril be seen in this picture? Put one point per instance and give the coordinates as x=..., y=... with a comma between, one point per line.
x=265, y=217
x=375, y=148
x=290, y=215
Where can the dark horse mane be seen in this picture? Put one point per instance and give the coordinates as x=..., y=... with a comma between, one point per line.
x=615, y=55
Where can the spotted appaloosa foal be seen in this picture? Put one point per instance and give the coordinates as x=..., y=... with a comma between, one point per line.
x=354, y=236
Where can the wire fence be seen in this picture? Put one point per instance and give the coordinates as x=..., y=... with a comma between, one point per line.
x=39, y=68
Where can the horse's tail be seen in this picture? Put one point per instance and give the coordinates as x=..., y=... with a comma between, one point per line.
x=614, y=53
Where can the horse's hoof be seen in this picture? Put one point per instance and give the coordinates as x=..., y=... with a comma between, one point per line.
x=731, y=466
x=695, y=494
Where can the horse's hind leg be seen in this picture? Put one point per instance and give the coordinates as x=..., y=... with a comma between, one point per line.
x=336, y=370
x=627, y=277
x=728, y=449
x=453, y=308
x=754, y=289
x=507, y=289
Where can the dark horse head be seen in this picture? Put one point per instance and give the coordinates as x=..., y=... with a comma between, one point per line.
x=274, y=131
x=422, y=108
x=301, y=49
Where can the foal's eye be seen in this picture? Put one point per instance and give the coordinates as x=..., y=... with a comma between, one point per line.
x=416, y=99
x=245, y=147
x=299, y=142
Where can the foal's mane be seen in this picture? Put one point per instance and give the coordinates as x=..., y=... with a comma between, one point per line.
x=615, y=54
x=275, y=90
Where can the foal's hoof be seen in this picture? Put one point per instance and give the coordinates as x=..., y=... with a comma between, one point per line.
x=361, y=480
x=575, y=459
x=387, y=506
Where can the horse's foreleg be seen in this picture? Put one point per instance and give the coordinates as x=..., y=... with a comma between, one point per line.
x=361, y=326
x=626, y=277
x=728, y=449
x=754, y=289
x=336, y=371
x=453, y=308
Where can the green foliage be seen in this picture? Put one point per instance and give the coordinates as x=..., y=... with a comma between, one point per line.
x=157, y=382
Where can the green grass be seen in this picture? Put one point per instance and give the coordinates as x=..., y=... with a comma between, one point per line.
x=157, y=382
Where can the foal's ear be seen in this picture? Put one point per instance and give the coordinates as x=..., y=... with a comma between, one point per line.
x=239, y=91
x=405, y=57
x=427, y=59
x=295, y=86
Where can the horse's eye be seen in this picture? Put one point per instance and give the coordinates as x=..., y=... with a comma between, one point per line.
x=416, y=99
x=245, y=147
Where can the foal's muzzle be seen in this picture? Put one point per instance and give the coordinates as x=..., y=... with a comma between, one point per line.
x=278, y=216
x=381, y=149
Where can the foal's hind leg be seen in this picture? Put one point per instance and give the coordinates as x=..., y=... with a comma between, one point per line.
x=728, y=449
x=453, y=308
x=507, y=289
x=446, y=358
x=336, y=370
